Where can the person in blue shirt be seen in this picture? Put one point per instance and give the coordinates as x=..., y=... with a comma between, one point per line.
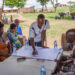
x=18, y=30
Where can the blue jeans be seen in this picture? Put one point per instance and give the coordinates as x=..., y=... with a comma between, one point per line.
x=39, y=44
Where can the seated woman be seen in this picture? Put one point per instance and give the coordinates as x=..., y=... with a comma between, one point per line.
x=3, y=45
x=13, y=37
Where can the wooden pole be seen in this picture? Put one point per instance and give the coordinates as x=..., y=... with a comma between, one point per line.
x=3, y=6
x=1, y=10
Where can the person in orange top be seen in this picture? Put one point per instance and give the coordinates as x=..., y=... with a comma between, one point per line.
x=3, y=45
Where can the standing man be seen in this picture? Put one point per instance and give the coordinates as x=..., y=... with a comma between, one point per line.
x=37, y=33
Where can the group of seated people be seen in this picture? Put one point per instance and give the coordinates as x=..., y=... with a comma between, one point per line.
x=9, y=38
x=37, y=35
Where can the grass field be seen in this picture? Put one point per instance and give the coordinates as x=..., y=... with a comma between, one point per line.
x=50, y=15
x=57, y=27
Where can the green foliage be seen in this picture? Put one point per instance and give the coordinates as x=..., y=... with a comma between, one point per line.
x=43, y=2
x=13, y=3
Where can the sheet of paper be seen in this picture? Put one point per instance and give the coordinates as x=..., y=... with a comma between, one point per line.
x=43, y=53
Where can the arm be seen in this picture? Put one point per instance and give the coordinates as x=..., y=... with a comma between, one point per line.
x=20, y=31
x=11, y=38
x=3, y=45
x=43, y=37
x=33, y=46
x=32, y=36
x=32, y=43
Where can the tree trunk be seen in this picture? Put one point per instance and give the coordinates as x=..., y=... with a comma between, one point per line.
x=46, y=7
x=3, y=6
x=52, y=1
x=56, y=5
x=55, y=9
x=42, y=8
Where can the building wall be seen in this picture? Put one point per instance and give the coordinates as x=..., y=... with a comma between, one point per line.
x=23, y=10
x=11, y=11
x=28, y=10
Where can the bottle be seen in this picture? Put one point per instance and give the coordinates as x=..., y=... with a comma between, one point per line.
x=55, y=44
x=14, y=49
x=43, y=70
x=26, y=43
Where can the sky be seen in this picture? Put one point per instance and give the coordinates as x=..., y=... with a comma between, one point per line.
x=37, y=5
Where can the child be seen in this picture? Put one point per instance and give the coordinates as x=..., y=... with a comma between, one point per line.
x=13, y=37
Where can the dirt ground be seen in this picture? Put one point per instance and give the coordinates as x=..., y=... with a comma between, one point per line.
x=28, y=21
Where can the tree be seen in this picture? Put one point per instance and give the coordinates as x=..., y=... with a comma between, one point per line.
x=43, y=3
x=3, y=5
x=46, y=3
x=55, y=4
x=13, y=3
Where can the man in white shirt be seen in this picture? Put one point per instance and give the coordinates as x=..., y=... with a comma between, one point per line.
x=37, y=32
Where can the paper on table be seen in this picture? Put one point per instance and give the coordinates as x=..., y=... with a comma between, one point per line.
x=43, y=53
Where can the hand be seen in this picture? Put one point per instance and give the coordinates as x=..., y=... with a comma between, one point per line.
x=44, y=47
x=35, y=53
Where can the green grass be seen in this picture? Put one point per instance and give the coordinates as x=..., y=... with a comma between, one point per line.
x=72, y=9
x=57, y=30
x=62, y=9
x=34, y=15
x=50, y=15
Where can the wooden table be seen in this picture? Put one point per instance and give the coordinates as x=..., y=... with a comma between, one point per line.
x=27, y=67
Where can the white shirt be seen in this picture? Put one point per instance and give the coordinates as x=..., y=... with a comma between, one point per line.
x=35, y=31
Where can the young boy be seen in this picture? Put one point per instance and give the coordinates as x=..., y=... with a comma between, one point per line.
x=18, y=28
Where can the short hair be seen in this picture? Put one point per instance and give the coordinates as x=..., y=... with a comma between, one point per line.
x=41, y=16
x=1, y=25
x=12, y=26
x=16, y=20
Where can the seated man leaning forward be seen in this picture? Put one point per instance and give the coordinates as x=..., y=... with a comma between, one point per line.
x=13, y=37
x=37, y=33
x=3, y=45
x=70, y=37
